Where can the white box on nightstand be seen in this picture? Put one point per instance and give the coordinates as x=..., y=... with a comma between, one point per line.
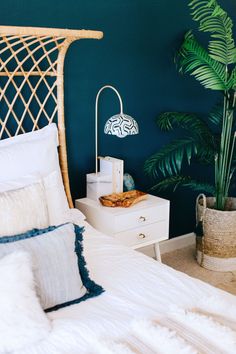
x=98, y=184
x=109, y=180
x=140, y=225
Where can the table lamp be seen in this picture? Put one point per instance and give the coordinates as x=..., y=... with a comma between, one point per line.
x=121, y=125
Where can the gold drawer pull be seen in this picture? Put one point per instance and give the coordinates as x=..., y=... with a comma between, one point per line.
x=141, y=236
x=142, y=218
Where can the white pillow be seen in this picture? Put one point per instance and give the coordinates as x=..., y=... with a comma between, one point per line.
x=45, y=132
x=22, y=321
x=58, y=209
x=59, y=267
x=33, y=154
x=23, y=209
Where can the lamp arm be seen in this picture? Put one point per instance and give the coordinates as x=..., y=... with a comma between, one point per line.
x=96, y=119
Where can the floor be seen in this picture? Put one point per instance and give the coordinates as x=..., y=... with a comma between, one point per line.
x=184, y=261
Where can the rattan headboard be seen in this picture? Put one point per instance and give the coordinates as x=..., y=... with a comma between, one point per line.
x=32, y=83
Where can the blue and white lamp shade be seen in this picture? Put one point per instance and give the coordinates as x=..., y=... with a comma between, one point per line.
x=121, y=125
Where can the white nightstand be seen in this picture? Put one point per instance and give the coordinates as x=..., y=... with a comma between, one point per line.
x=140, y=225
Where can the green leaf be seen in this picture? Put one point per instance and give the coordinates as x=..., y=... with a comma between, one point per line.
x=174, y=182
x=216, y=115
x=194, y=59
x=195, y=126
x=169, y=159
x=197, y=129
x=213, y=19
x=199, y=187
x=206, y=153
x=232, y=79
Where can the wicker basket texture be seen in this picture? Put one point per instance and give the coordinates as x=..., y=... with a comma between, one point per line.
x=219, y=232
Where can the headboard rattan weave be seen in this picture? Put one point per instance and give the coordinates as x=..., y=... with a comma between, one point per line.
x=32, y=83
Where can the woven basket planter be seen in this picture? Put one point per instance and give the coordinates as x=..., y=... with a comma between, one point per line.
x=216, y=249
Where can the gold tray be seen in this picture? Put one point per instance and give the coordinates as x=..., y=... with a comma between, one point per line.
x=123, y=200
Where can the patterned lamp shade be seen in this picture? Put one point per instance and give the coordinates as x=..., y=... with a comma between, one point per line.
x=121, y=125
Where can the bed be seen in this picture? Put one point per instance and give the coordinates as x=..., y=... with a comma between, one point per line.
x=146, y=307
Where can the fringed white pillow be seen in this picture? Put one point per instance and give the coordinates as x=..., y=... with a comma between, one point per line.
x=23, y=321
x=59, y=267
x=23, y=209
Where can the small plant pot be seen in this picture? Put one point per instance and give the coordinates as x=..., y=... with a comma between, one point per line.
x=216, y=248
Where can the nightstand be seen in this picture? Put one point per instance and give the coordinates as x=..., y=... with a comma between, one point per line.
x=140, y=225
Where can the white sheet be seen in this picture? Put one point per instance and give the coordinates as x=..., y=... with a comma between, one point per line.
x=136, y=287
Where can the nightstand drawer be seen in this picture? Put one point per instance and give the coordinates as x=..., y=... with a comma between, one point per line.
x=144, y=235
x=140, y=218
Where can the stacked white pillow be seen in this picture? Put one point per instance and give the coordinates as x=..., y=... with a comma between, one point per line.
x=32, y=196
x=31, y=153
x=33, y=158
x=23, y=209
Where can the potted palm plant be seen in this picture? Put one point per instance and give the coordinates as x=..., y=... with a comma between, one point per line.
x=209, y=141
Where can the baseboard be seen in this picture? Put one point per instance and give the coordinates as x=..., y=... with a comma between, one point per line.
x=171, y=245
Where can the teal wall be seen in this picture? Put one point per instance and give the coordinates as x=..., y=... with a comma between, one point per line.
x=136, y=56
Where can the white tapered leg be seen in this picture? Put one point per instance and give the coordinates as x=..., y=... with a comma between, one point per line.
x=157, y=251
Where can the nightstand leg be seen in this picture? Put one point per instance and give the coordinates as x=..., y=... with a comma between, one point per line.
x=157, y=251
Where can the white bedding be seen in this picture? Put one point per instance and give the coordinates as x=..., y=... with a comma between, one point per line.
x=136, y=287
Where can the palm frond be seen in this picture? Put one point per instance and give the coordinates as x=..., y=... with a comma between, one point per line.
x=200, y=187
x=232, y=79
x=206, y=153
x=190, y=122
x=216, y=115
x=194, y=59
x=174, y=182
x=169, y=159
x=213, y=19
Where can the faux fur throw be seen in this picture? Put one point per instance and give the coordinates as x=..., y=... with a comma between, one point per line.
x=180, y=331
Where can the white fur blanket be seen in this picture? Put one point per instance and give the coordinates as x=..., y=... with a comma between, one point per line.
x=136, y=313
x=178, y=332
x=209, y=328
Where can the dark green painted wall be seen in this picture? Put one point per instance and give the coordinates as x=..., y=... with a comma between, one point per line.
x=136, y=56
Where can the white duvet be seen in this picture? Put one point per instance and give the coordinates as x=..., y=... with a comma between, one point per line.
x=138, y=290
